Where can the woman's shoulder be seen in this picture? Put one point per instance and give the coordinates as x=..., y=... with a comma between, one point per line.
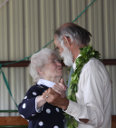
x=33, y=87
x=36, y=89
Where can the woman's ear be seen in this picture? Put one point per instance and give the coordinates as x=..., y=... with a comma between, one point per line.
x=40, y=71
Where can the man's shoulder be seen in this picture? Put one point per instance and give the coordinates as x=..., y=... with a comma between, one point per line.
x=93, y=63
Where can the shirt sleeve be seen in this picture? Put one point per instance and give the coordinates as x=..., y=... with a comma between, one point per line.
x=89, y=103
x=28, y=107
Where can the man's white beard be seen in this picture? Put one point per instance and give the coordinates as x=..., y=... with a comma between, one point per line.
x=67, y=55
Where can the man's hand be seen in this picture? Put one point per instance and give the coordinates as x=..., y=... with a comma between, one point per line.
x=54, y=98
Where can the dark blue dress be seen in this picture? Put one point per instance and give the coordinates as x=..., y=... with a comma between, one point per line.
x=49, y=116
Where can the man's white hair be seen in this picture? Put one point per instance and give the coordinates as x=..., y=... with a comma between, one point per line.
x=38, y=60
x=66, y=55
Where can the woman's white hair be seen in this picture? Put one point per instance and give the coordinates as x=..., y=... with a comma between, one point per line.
x=38, y=60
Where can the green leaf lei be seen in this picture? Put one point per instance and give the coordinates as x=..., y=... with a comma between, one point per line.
x=86, y=54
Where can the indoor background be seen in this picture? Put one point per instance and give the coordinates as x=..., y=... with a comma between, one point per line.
x=26, y=26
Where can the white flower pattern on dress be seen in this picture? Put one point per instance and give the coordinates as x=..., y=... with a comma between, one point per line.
x=24, y=106
x=33, y=114
x=48, y=111
x=25, y=97
x=57, y=109
x=55, y=126
x=34, y=93
x=41, y=123
x=22, y=116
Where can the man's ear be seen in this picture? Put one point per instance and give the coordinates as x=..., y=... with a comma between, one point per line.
x=67, y=41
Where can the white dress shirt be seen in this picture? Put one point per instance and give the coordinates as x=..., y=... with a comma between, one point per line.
x=93, y=97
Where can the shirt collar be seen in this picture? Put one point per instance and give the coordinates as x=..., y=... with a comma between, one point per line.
x=45, y=83
x=74, y=64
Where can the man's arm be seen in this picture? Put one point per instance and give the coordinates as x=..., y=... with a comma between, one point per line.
x=57, y=100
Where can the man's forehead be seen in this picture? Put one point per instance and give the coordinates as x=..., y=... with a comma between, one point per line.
x=53, y=56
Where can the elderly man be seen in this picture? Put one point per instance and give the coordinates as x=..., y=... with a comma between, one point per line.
x=89, y=95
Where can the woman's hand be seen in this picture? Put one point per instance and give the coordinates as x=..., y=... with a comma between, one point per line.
x=60, y=88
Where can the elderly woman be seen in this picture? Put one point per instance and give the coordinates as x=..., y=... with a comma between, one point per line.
x=46, y=70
